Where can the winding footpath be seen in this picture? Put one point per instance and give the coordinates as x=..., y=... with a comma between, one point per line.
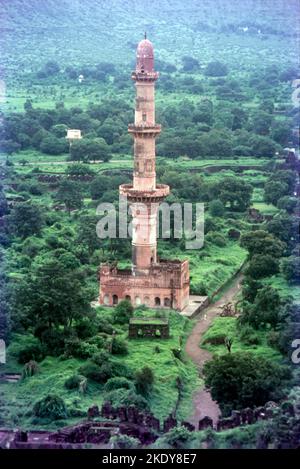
x=203, y=403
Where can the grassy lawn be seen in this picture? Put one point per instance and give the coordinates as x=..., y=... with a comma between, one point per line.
x=227, y=327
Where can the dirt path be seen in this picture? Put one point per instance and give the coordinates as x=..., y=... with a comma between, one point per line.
x=202, y=401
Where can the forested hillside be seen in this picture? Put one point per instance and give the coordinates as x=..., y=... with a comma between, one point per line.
x=93, y=30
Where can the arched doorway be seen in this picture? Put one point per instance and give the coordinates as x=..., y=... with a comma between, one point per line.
x=137, y=300
x=115, y=299
x=106, y=299
x=167, y=302
x=147, y=300
x=157, y=301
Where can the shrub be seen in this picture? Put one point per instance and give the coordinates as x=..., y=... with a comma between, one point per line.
x=100, y=374
x=216, y=208
x=249, y=336
x=124, y=442
x=104, y=326
x=119, y=346
x=123, y=312
x=117, y=383
x=144, y=380
x=273, y=338
x=178, y=438
x=233, y=233
x=199, y=289
x=73, y=382
x=78, y=349
x=86, y=328
x=50, y=407
x=126, y=397
x=31, y=368
x=101, y=357
x=216, y=238
x=31, y=352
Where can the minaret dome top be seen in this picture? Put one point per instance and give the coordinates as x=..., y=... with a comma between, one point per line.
x=144, y=57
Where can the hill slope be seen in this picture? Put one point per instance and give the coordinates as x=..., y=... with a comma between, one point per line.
x=92, y=30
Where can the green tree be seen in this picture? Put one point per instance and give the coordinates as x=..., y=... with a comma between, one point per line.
x=262, y=146
x=144, y=380
x=216, y=69
x=216, y=208
x=290, y=268
x=189, y=64
x=70, y=194
x=264, y=310
x=233, y=191
x=282, y=227
x=53, y=295
x=239, y=380
x=53, y=145
x=274, y=190
x=262, y=265
x=26, y=219
x=123, y=312
x=262, y=242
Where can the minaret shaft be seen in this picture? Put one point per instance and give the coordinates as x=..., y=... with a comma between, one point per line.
x=145, y=200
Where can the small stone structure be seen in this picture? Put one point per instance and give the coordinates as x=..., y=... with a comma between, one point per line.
x=149, y=328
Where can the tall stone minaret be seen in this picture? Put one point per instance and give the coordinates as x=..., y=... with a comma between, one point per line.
x=144, y=195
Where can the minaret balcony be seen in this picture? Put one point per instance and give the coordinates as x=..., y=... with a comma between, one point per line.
x=144, y=76
x=144, y=128
x=158, y=194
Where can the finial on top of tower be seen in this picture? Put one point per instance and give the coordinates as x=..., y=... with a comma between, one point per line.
x=145, y=35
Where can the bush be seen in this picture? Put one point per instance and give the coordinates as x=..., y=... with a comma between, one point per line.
x=30, y=369
x=104, y=326
x=50, y=407
x=101, y=357
x=126, y=397
x=119, y=346
x=216, y=208
x=86, y=328
x=123, y=312
x=249, y=336
x=100, y=374
x=73, y=382
x=117, y=383
x=78, y=349
x=216, y=238
x=144, y=380
x=178, y=438
x=124, y=442
x=31, y=352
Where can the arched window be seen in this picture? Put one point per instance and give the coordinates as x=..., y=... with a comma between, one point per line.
x=115, y=299
x=137, y=300
x=157, y=301
x=106, y=299
x=128, y=297
x=147, y=300
x=167, y=302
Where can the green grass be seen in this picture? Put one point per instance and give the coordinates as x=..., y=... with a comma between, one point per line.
x=228, y=326
x=16, y=399
x=215, y=265
x=265, y=209
x=284, y=288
